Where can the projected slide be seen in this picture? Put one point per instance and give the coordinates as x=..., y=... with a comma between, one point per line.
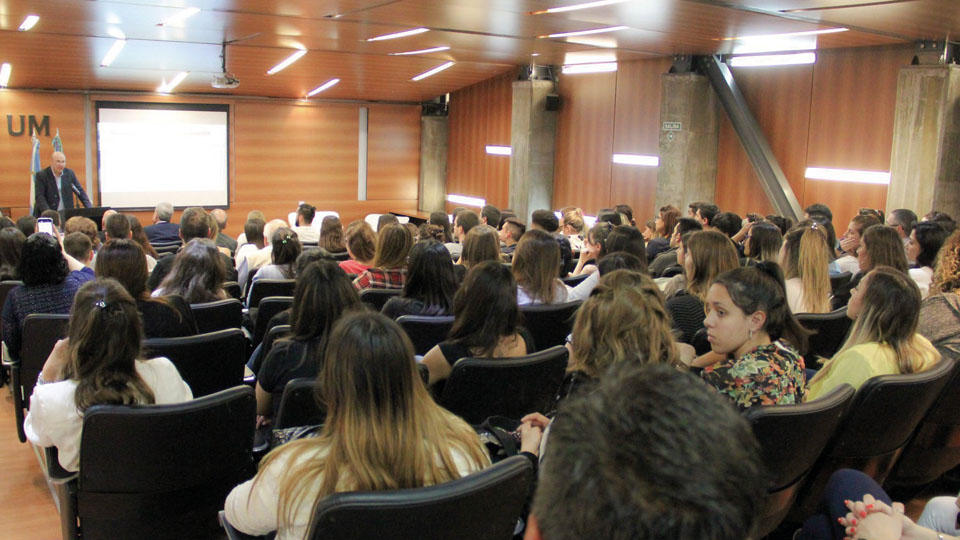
x=151, y=152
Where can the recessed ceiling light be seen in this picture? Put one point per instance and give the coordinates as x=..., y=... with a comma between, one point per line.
x=180, y=16
x=329, y=84
x=286, y=62
x=848, y=175
x=788, y=34
x=396, y=35
x=575, y=7
x=112, y=53
x=535, y=54
x=600, y=67
x=116, y=33
x=5, y=70
x=166, y=88
x=497, y=150
x=773, y=60
x=29, y=22
x=421, y=51
x=467, y=201
x=433, y=71
x=586, y=32
x=641, y=160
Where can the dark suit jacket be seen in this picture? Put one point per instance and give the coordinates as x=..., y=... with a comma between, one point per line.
x=48, y=197
x=162, y=232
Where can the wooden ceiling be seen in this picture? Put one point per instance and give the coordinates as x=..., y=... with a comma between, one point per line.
x=486, y=38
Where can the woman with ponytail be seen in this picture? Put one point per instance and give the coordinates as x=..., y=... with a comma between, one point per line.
x=750, y=325
x=805, y=258
x=98, y=363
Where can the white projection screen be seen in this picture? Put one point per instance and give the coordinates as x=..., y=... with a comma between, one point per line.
x=153, y=152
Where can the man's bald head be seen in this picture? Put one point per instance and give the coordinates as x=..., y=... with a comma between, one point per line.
x=221, y=217
x=106, y=214
x=58, y=162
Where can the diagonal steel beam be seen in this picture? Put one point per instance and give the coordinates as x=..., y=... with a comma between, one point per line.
x=765, y=164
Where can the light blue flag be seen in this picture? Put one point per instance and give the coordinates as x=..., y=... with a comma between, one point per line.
x=34, y=168
x=57, y=143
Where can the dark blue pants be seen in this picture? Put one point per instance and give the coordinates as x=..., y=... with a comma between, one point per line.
x=845, y=484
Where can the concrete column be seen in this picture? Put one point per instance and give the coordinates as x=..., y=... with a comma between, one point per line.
x=925, y=159
x=533, y=132
x=689, y=131
x=434, y=136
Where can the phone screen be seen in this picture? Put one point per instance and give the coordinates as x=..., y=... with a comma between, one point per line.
x=45, y=225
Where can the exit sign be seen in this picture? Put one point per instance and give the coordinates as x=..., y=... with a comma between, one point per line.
x=672, y=126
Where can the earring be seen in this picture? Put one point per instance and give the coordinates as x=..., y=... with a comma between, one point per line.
x=750, y=334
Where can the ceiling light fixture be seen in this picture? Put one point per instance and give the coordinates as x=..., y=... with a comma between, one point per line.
x=773, y=60
x=495, y=150
x=467, y=201
x=116, y=33
x=168, y=87
x=29, y=22
x=286, y=62
x=640, y=160
x=396, y=35
x=112, y=53
x=177, y=18
x=586, y=32
x=421, y=51
x=848, y=175
x=433, y=71
x=329, y=84
x=575, y=7
x=788, y=34
x=599, y=67
x=5, y=70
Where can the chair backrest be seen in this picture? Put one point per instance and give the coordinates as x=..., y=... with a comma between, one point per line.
x=207, y=362
x=219, y=315
x=40, y=333
x=573, y=281
x=341, y=256
x=425, y=332
x=299, y=406
x=5, y=287
x=831, y=329
x=839, y=280
x=163, y=471
x=164, y=248
x=482, y=387
x=233, y=289
x=791, y=439
x=482, y=505
x=376, y=298
x=272, y=336
x=263, y=288
x=269, y=307
x=550, y=324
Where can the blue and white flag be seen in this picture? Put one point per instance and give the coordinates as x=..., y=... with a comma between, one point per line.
x=34, y=168
x=57, y=143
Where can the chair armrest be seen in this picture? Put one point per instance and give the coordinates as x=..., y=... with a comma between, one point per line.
x=9, y=361
x=234, y=534
x=55, y=473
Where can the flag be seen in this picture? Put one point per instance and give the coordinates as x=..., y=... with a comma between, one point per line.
x=34, y=168
x=57, y=143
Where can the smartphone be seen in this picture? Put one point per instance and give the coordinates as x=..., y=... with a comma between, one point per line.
x=45, y=225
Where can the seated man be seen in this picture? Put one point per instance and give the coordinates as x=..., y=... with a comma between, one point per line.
x=223, y=240
x=304, y=226
x=162, y=231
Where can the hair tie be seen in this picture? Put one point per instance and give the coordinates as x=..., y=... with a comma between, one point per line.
x=815, y=226
x=100, y=304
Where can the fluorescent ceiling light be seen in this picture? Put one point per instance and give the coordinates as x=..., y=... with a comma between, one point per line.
x=636, y=159
x=587, y=32
x=602, y=67
x=112, y=53
x=575, y=7
x=329, y=84
x=5, y=70
x=421, y=51
x=848, y=175
x=180, y=16
x=498, y=150
x=29, y=22
x=286, y=62
x=166, y=88
x=773, y=60
x=788, y=34
x=116, y=33
x=467, y=201
x=433, y=71
x=588, y=57
x=771, y=45
x=396, y=35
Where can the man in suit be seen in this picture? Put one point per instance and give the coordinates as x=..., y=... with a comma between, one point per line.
x=56, y=185
x=162, y=231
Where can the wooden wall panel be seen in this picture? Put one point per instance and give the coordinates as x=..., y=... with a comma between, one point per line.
x=738, y=187
x=393, y=152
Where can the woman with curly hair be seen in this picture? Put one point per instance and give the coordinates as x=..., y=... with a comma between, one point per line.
x=940, y=312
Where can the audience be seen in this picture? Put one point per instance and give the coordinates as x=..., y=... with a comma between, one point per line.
x=222, y=240
x=386, y=219
x=284, y=249
x=28, y=225
x=86, y=226
x=546, y=221
x=593, y=248
x=668, y=258
x=763, y=242
x=535, y=267
x=389, y=270
x=879, y=246
x=361, y=247
x=163, y=230
x=78, y=246
x=571, y=225
x=510, y=233
x=490, y=216
x=940, y=311
x=922, y=246
x=193, y=225
x=304, y=224
x=463, y=221
x=441, y=219
x=138, y=236
x=903, y=221
x=481, y=244
x=704, y=256
x=805, y=258
x=197, y=273
x=331, y=236
x=664, y=225
x=11, y=245
x=430, y=283
x=850, y=242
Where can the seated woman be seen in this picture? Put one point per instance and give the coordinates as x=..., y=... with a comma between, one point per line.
x=430, y=283
x=361, y=244
x=704, y=255
x=197, y=274
x=383, y=432
x=536, y=265
x=322, y=295
x=253, y=240
x=97, y=364
x=164, y=316
x=805, y=258
x=940, y=311
x=885, y=308
x=763, y=242
x=752, y=329
x=11, y=245
x=482, y=243
x=331, y=235
x=879, y=246
x=389, y=270
x=284, y=249
x=485, y=322
x=140, y=237
x=850, y=242
x=50, y=280
x=664, y=224
x=593, y=248
x=924, y=243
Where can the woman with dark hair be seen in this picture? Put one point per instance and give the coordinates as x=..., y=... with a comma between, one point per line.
x=331, y=235
x=749, y=324
x=880, y=245
x=166, y=316
x=50, y=281
x=11, y=245
x=664, y=225
x=922, y=246
x=97, y=364
x=322, y=295
x=536, y=265
x=284, y=249
x=481, y=244
x=940, y=311
x=441, y=219
x=486, y=321
x=594, y=247
x=704, y=255
x=763, y=242
x=389, y=266
x=430, y=283
x=140, y=237
x=361, y=247
x=197, y=274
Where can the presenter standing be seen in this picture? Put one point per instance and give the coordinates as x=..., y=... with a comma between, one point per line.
x=56, y=185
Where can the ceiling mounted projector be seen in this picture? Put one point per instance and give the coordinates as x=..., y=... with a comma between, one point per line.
x=225, y=80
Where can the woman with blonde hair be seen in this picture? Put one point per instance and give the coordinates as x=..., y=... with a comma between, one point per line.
x=885, y=308
x=480, y=244
x=805, y=258
x=704, y=255
x=536, y=265
x=389, y=270
x=383, y=431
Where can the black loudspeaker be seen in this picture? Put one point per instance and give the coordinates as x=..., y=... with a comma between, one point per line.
x=553, y=102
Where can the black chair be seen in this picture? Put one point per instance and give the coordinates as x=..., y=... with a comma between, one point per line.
x=831, y=329
x=573, y=281
x=340, y=256
x=549, y=324
x=425, y=332
x=512, y=387
x=885, y=412
x=5, y=287
x=233, y=289
x=219, y=315
x=839, y=280
x=791, y=439
x=480, y=506
x=269, y=307
x=40, y=333
x=671, y=271
x=166, y=247
x=160, y=471
x=207, y=362
x=298, y=406
x=376, y=298
x=263, y=288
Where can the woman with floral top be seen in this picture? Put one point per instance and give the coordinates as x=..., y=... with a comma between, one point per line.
x=750, y=326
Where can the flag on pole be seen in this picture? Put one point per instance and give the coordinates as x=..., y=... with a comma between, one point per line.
x=34, y=168
x=57, y=143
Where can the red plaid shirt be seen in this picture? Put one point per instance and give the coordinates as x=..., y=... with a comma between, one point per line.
x=378, y=278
